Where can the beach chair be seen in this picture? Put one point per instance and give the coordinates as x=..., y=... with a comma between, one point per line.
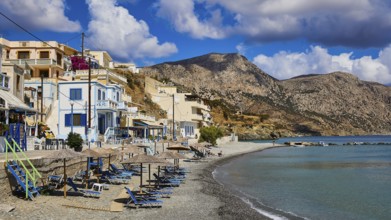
x=121, y=172
x=55, y=181
x=115, y=179
x=166, y=182
x=142, y=202
x=85, y=192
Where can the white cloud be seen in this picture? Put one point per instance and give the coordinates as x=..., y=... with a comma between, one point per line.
x=358, y=23
x=39, y=14
x=284, y=65
x=241, y=48
x=182, y=15
x=112, y=28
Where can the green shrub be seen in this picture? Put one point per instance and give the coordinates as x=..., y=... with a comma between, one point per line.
x=210, y=134
x=75, y=141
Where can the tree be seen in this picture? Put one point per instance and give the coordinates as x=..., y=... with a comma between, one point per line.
x=75, y=141
x=210, y=134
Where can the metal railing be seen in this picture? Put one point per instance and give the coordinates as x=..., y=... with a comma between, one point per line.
x=44, y=61
x=35, y=174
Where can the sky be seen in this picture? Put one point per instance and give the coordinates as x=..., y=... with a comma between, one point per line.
x=284, y=38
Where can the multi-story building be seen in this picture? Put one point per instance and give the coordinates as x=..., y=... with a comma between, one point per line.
x=188, y=111
x=106, y=109
x=44, y=64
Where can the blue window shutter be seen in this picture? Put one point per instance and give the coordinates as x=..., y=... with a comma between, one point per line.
x=78, y=92
x=83, y=119
x=67, y=120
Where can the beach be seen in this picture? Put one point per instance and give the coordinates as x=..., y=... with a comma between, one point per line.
x=200, y=197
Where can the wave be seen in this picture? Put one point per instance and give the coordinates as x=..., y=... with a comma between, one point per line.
x=255, y=204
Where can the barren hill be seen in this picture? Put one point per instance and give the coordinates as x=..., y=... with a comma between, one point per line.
x=330, y=104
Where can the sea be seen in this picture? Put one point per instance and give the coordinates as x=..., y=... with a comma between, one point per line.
x=339, y=181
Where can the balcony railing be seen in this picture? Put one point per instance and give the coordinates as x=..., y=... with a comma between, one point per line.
x=106, y=104
x=34, y=61
x=196, y=117
x=101, y=72
x=123, y=106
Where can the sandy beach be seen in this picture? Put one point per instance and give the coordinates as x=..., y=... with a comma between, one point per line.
x=200, y=197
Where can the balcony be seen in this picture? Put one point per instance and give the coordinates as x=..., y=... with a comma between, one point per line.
x=197, y=117
x=101, y=73
x=34, y=62
x=122, y=106
x=142, y=116
x=106, y=105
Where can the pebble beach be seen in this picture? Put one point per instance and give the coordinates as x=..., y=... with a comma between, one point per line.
x=200, y=197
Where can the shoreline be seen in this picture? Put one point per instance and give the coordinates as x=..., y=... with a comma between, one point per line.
x=201, y=197
x=233, y=206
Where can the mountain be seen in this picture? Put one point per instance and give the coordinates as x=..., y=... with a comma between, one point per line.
x=317, y=104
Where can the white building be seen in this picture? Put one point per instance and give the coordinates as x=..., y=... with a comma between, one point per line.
x=106, y=108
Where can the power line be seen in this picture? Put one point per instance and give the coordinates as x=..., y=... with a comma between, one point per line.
x=24, y=29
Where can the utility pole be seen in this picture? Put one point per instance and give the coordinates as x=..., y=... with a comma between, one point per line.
x=41, y=97
x=82, y=45
x=173, y=117
x=89, y=97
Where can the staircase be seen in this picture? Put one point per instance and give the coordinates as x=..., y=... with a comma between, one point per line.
x=25, y=181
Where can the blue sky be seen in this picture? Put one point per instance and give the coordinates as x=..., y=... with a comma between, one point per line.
x=284, y=38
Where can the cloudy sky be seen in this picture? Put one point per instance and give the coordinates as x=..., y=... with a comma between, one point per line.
x=285, y=38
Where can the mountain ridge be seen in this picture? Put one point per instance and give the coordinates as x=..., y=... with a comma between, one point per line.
x=317, y=104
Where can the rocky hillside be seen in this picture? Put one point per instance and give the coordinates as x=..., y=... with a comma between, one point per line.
x=330, y=104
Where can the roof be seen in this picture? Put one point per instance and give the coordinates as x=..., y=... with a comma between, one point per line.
x=13, y=102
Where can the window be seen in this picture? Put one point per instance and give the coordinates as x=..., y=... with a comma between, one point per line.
x=8, y=54
x=117, y=96
x=18, y=83
x=45, y=73
x=24, y=55
x=75, y=94
x=59, y=59
x=44, y=54
x=103, y=96
x=99, y=94
x=78, y=120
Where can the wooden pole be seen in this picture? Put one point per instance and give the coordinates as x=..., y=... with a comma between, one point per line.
x=65, y=177
x=141, y=177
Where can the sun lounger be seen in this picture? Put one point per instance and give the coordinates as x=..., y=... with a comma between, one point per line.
x=163, y=181
x=118, y=171
x=142, y=201
x=55, y=181
x=85, y=192
x=114, y=178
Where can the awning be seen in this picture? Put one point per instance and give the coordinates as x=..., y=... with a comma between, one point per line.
x=147, y=124
x=12, y=102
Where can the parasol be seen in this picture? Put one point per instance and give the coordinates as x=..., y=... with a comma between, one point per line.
x=64, y=154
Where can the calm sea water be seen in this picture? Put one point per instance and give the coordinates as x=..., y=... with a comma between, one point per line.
x=334, y=182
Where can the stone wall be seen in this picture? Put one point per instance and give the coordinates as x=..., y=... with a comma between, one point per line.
x=47, y=167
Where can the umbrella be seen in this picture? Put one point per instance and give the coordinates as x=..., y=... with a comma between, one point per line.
x=109, y=151
x=130, y=149
x=162, y=141
x=92, y=153
x=64, y=154
x=172, y=155
x=178, y=147
x=143, y=158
